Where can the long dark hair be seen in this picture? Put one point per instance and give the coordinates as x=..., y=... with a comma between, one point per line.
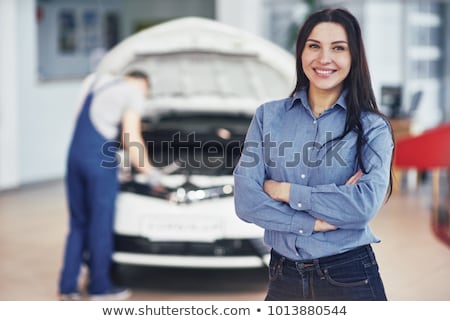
x=360, y=97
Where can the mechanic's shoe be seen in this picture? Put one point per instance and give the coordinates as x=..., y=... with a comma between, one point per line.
x=69, y=296
x=115, y=294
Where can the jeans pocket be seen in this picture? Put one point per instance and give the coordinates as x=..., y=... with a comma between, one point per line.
x=347, y=275
x=275, y=268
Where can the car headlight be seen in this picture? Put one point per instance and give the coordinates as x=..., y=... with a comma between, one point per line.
x=181, y=195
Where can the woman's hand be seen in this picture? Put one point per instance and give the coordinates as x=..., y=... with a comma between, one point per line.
x=355, y=178
x=279, y=191
x=322, y=226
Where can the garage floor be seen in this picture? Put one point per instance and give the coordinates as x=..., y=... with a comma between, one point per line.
x=414, y=264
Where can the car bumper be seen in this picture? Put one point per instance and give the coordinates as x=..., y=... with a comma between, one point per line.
x=191, y=261
x=249, y=253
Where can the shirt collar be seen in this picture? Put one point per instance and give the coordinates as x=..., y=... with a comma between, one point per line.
x=303, y=97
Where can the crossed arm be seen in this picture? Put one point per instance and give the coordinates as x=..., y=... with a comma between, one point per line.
x=280, y=191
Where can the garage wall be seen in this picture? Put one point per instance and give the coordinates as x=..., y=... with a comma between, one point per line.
x=36, y=115
x=45, y=108
x=8, y=95
x=142, y=12
x=384, y=53
x=226, y=12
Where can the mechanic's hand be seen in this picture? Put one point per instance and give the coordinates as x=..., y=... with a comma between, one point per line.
x=171, y=168
x=154, y=177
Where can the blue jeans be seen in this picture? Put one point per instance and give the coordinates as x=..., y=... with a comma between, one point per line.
x=348, y=276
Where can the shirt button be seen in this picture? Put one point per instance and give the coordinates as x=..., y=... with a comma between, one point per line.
x=300, y=231
x=299, y=205
x=315, y=121
x=303, y=176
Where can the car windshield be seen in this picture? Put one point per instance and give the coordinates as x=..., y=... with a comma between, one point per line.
x=211, y=74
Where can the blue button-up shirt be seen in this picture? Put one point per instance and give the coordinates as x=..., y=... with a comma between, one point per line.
x=286, y=142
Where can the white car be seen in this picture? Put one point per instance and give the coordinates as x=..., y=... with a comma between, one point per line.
x=207, y=80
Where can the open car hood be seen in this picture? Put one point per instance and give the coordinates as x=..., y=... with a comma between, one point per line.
x=195, y=34
x=200, y=64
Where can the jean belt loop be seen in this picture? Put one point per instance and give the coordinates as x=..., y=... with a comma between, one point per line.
x=281, y=263
x=371, y=254
x=318, y=269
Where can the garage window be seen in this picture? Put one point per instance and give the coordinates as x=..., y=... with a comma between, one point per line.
x=73, y=36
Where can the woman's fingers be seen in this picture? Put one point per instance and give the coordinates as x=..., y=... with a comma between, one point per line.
x=355, y=178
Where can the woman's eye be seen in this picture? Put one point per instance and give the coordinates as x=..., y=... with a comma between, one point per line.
x=339, y=48
x=313, y=45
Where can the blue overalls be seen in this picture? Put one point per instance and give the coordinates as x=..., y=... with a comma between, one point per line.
x=92, y=190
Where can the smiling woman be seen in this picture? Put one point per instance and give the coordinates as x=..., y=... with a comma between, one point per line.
x=326, y=62
x=316, y=212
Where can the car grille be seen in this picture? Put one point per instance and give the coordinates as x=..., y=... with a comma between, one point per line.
x=187, y=193
x=234, y=247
